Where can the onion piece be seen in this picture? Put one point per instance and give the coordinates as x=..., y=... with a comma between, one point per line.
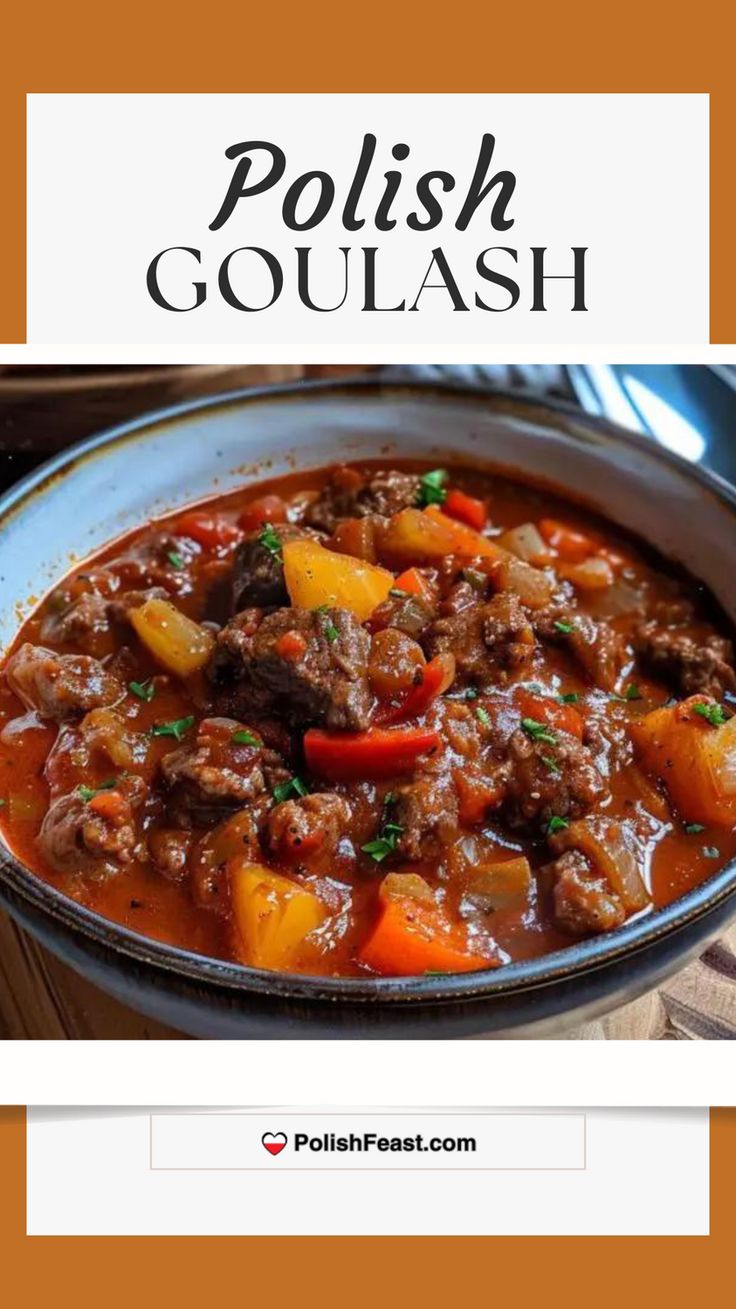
x=502, y=885
x=399, y=886
x=621, y=599
x=611, y=847
x=592, y=574
x=532, y=586
x=527, y=543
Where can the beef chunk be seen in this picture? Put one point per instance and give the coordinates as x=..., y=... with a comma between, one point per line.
x=79, y=622
x=583, y=903
x=119, y=608
x=75, y=835
x=597, y=647
x=689, y=665
x=491, y=642
x=237, y=836
x=258, y=572
x=543, y=779
x=318, y=677
x=427, y=811
x=313, y=825
x=462, y=595
x=157, y=559
x=351, y=495
x=217, y=775
x=169, y=851
x=60, y=686
x=88, y=617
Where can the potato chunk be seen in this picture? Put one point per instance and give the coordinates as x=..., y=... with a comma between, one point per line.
x=176, y=641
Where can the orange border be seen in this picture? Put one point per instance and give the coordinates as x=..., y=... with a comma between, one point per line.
x=81, y=46
x=325, y=1271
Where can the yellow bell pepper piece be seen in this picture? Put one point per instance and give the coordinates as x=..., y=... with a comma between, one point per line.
x=272, y=915
x=428, y=536
x=316, y=576
x=176, y=641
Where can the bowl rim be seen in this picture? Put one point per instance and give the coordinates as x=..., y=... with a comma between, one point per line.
x=575, y=960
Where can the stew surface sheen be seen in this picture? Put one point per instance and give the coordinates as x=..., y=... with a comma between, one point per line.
x=372, y=720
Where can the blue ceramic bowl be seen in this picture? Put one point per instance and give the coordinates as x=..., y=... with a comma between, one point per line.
x=110, y=483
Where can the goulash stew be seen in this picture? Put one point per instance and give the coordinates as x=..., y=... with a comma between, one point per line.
x=372, y=721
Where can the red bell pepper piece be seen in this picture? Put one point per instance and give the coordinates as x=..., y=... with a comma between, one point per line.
x=265, y=509
x=437, y=676
x=466, y=509
x=211, y=531
x=379, y=752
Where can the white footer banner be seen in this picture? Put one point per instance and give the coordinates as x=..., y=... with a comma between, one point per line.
x=263, y=1170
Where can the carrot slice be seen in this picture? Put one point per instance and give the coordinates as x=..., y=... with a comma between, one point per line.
x=570, y=544
x=110, y=805
x=291, y=646
x=543, y=709
x=413, y=581
x=466, y=509
x=475, y=795
x=411, y=938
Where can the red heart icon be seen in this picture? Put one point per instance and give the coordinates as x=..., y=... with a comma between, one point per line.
x=274, y=1141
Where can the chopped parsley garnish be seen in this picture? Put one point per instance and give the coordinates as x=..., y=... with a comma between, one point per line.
x=388, y=835
x=632, y=692
x=711, y=851
x=551, y=763
x=397, y=593
x=566, y=628
x=483, y=716
x=471, y=693
x=432, y=487
x=144, y=690
x=538, y=731
x=2, y=803
x=175, y=559
x=89, y=792
x=692, y=829
x=176, y=728
x=712, y=713
x=244, y=738
x=285, y=790
x=328, y=628
x=270, y=540
x=385, y=843
x=570, y=697
x=556, y=824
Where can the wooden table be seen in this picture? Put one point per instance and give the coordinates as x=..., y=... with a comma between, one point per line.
x=43, y=999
